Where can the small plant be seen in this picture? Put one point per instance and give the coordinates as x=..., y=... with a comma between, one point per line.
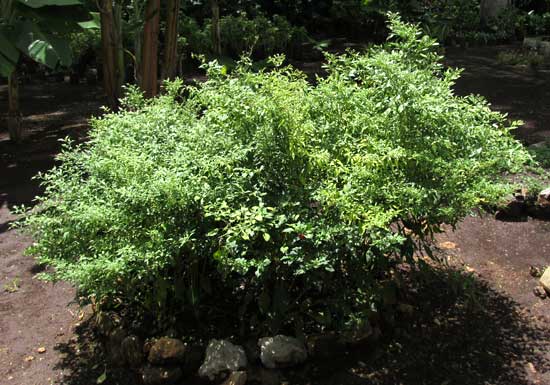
x=520, y=58
x=258, y=201
x=13, y=285
x=541, y=154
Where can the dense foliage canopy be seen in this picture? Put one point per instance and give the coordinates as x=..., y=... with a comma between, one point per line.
x=263, y=192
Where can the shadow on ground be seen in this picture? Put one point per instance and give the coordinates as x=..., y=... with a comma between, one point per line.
x=461, y=332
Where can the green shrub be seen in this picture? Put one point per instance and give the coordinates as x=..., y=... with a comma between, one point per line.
x=260, y=199
x=537, y=24
x=260, y=36
x=520, y=58
x=84, y=41
x=193, y=38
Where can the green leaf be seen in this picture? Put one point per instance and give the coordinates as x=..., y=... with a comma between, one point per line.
x=94, y=23
x=267, y=237
x=101, y=379
x=6, y=66
x=42, y=52
x=8, y=49
x=42, y=48
x=62, y=50
x=45, y=3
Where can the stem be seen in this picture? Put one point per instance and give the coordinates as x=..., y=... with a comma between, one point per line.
x=14, y=115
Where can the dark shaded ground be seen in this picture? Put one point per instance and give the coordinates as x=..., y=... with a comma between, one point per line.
x=522, y=92
x=485, y=327
x=37, y=314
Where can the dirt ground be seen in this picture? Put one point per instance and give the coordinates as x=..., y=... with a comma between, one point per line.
x=487, y=329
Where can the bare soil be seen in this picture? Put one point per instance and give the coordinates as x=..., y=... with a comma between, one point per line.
x=474, y=322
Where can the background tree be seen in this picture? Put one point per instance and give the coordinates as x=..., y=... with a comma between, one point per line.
x=112, y=50
x=171, y=40
x=149, y=54
x=36, y=29
x=216, y=28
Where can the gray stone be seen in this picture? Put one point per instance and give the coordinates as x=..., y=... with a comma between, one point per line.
x=222, y=357
x=157, y=375
x=545, y=280
x=236, y=378
x=535, y=271
x=542, y=144
x=167, y=351
x=132, y=349
x=281, y=351
x=540, y=292
x=544, y=198
x=531, y=43
x=544, y=47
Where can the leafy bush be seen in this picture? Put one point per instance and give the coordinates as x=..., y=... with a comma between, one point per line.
x=192, y=37
x=259, y=199
x=446, y=19
x=85, y=47
x=537, y=24
x=260, y=36
x=520, y=58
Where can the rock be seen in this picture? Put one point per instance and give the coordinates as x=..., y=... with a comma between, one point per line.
x=132, y=350
x=540, y=292
x=167, y=351
x=544, y=198
x=542, y=144
x=236, y=378
x=281, y=351
x=535, y=271
x=157, y=375
x=545, y=280
x=539, y=211
x=222, y=357
x=325, y=346
x=531, y=42
x=515, y=209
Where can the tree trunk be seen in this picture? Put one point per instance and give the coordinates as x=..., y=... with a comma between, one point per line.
x=137, y=18
x=112, y=78
x=216, y=30
x=119, y=49
x=15, y=128
x=149, y=61
x=171, y=41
